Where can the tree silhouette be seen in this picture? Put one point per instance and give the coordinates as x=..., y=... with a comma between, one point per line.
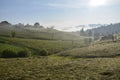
x=5, y=23
x=82, y=32
x=37, y=24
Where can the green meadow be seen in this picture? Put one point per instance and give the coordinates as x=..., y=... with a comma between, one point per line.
x=55, y=58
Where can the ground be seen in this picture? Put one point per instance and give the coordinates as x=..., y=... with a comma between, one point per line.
x=60, y=68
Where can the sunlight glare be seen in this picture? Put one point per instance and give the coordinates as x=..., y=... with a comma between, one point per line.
x=96, y=3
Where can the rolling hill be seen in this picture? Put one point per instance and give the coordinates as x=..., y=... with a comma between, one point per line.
x=105, y=30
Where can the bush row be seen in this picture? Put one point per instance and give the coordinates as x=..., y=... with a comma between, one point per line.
x=10, y=53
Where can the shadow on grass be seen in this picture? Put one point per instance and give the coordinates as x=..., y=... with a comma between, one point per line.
x=109, y=56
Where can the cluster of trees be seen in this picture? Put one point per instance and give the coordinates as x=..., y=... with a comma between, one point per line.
x=5, y=23
x=84, y=33
x=36, y=25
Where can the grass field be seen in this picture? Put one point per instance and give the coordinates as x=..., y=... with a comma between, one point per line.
x=35, y=45
x=100, y=65
x=59, y=68
x=98, y=49
x=72, y=58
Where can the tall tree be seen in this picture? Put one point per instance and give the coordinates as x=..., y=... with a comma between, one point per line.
x=82, y=32
x=37, y=24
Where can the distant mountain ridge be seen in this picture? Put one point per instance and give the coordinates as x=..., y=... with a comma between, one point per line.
x=91, y=25
x=106, y=29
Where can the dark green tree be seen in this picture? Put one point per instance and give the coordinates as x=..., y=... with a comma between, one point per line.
x=37, y=24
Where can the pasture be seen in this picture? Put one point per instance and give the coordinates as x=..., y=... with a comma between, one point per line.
x=70, y=58
x=60, y=68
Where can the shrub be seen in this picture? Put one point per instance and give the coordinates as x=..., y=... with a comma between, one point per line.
x=11, y=53
x=8, y=53
x=24, y=53
x=43, y=52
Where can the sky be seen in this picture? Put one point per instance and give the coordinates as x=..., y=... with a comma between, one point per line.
x=62, y=14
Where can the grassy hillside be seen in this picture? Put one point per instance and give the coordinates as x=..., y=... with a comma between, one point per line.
x=37, y=33
x=98, y=49
x=35, y=45
x=105, y=30
x=82, y=60
x=7, y=46
x=36, y=39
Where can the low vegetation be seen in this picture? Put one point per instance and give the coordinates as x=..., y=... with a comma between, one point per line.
x=59, y=68
x=36, y=46
x=28, y=54
x=43, y=52
x=98, y=49
x=11, y=53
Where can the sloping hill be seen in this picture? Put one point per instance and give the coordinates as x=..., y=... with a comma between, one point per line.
x=36, y=38
x=106, y=30
x=36, y=33
x=99, y=49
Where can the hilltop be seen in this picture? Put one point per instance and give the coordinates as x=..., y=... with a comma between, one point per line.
x=105, y=30
x=35, y=31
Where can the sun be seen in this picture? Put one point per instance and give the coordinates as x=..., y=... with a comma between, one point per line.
x=97, y=3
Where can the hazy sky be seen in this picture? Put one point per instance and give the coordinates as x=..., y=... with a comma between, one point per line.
x=61, y=13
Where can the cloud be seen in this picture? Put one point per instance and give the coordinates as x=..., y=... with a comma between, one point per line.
x=69, y=29
x=77, y=3
x=69, y=4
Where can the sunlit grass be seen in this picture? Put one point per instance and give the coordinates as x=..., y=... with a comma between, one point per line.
x=52, y=68
x=99, y=49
